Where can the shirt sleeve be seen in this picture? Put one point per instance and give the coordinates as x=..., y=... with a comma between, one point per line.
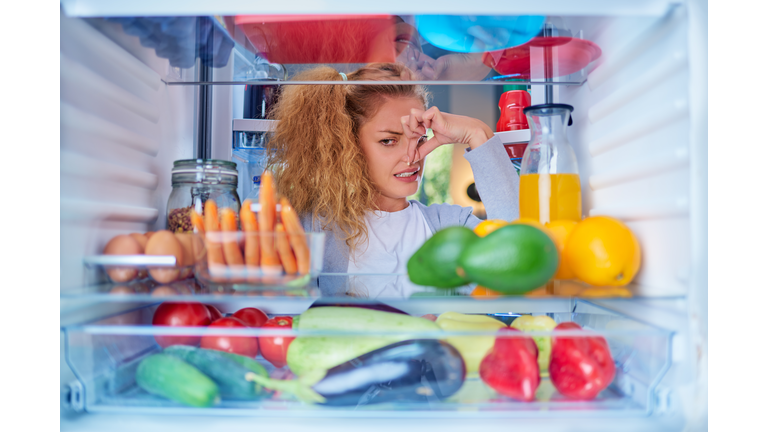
x=496, y=180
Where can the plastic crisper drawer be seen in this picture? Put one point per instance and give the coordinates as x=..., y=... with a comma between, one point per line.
x=104, y=355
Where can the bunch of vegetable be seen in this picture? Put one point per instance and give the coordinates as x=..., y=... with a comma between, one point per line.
x=472, y=348
x=193, y=314
x=200, y=377
x=361, y=370
x=391, y=362
x=271, y=243
x=580, y=366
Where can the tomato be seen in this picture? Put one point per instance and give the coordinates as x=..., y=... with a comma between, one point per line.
x=177, y=315
x=275, y=348
x=252, y=317
x=244, y=345
x=215, y=313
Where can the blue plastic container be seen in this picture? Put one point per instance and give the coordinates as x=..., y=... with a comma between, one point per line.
x=471, y=34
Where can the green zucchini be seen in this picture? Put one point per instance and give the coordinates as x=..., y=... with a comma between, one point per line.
x=311, y=353
x=228, y=374
x=177, y=380
x=360, y=319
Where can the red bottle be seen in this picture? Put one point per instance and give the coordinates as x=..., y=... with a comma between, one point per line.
x=512, y=118
x=511, y=105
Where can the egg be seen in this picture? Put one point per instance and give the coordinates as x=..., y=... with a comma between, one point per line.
x=122, y=244
x=164, y=291
x=198, y=247
x=182, y=288
x=141, y=239
x=122, y=290
x=165, y=243
x=125, y=318
x=141, y=287
x=186, y=240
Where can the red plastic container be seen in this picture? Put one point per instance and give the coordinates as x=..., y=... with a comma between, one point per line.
x=290, y=39
x=572, y=55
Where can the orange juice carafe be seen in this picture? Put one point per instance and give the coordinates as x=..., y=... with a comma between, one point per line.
x=549, y=174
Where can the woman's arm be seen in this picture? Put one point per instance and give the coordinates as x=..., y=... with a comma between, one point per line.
x=496, y=180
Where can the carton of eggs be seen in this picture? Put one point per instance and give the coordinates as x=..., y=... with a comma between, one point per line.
x=158, y=243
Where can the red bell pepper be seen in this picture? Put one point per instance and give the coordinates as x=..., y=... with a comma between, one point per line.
x=512, y=368
x=580, y=366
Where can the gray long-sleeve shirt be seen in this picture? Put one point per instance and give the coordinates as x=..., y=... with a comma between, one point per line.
x=497, y=184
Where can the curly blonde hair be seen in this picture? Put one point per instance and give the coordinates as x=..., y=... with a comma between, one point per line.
x=322, y=169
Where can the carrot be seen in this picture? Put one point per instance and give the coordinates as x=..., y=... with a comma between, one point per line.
x=269, y=257
x=250, y=228
x=229, y=225
x=284, y=249
x=215, y=252
x=197, y=222
x=296, y=234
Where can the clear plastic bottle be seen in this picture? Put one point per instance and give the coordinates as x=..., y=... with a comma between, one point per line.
x=550, y=188
x=255, y=188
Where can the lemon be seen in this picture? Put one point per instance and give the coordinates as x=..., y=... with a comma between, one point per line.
x=603, y=251
x=488, y=226
x=560, y=230
x=482, y=292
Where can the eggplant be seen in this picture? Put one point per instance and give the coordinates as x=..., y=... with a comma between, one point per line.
x=418, y=370
x=367, y=304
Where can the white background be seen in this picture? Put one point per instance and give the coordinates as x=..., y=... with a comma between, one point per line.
x=738, y=203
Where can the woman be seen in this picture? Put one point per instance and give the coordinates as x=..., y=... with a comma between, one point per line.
x=351, y=154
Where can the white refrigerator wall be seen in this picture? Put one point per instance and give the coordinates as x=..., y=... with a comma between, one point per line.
x=631, y=134
x=121, y=129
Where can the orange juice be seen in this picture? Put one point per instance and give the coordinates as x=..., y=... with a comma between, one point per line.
x=549, y=197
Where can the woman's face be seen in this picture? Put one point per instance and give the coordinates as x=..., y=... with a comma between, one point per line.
x=385, y=149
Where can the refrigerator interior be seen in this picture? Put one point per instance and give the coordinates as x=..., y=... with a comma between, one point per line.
x=639, y=132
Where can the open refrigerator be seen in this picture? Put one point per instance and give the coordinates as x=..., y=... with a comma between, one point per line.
x=133, y=103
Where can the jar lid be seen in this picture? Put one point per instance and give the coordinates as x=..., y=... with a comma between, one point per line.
x=547, y=109
x=544, y=107
x=205, y=166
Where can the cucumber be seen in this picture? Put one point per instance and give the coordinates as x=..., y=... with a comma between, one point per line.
x=250, y=364
x=228, y=374
x=177, y=380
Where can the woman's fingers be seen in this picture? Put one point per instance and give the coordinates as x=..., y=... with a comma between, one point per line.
x=415, y=128
x=426, y=148
x=410, y=136
x=416, y=122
